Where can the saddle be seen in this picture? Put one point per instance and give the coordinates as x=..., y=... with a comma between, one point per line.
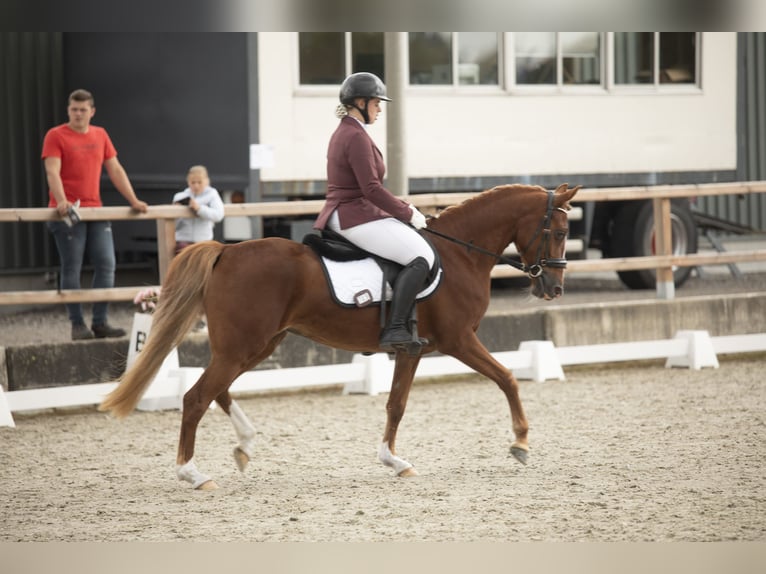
x=358, y=278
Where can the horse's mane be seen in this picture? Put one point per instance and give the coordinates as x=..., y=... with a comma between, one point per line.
x=486, y=200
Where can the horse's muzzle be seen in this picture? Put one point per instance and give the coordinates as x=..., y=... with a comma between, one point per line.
x=547, y=287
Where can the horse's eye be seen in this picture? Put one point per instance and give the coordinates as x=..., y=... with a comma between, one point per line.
x=560, y=234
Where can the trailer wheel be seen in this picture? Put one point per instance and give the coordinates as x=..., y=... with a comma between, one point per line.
x=633, y=236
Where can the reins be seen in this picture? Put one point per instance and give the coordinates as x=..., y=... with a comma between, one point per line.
x=534, y=270
x=500, y=257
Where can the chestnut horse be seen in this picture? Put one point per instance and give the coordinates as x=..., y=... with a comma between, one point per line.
x=255, y=292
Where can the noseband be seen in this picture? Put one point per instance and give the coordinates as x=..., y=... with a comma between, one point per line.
x=542, y=258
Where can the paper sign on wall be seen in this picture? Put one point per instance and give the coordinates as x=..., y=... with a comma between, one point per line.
x=261, y=155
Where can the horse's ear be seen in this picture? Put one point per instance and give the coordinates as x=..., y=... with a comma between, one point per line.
x=564, y=195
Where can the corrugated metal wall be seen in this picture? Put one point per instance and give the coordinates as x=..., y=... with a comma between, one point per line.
x=31, y=101
x=751, y=136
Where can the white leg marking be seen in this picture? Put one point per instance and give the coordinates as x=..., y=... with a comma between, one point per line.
x=385, y=456
x=190, y=474
x=244, y=429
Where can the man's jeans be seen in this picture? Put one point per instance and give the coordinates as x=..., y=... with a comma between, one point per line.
x=95, y=239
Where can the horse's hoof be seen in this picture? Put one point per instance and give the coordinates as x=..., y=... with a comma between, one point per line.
x=208, y=485
x=241, y=459
x=520, y=454
x=407, y=472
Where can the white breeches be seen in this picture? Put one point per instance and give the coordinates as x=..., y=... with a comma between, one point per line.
x=389, y=238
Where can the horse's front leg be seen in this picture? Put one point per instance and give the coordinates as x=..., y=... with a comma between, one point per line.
x=404, y=373
x=473, y=353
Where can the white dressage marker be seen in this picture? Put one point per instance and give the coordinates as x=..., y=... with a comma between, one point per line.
x=6, y=419
x=163, y=393
x=544, y=362
x=699, y=351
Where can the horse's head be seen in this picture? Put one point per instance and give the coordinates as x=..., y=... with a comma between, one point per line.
x=544, y=243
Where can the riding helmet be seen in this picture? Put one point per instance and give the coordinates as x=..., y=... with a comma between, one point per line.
x=362, y=85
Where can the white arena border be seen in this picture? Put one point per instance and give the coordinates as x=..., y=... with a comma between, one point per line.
x=371, y=374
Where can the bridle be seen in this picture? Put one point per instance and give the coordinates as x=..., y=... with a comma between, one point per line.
x=542, y=258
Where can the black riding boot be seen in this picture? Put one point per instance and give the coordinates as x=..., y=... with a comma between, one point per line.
x=409, y=283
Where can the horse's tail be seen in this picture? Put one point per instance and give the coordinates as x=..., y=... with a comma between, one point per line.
x=180, y=304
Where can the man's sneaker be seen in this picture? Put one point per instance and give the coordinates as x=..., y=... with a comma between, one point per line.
x=80, y=332
x=105, y=330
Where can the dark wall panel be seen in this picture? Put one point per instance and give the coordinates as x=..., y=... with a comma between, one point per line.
x=31, y=84
x=168, y=101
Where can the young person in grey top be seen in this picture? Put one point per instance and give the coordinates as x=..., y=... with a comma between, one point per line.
x=205, y=202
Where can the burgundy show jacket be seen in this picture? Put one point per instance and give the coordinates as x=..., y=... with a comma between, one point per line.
x=355, y=171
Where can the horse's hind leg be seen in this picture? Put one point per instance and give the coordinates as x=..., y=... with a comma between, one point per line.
x=245, y=430
x=214, y=385
x=214, y=381
x=404, y=373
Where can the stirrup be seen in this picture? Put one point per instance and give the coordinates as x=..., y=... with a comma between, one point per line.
x=413, y=345
x=413, y=348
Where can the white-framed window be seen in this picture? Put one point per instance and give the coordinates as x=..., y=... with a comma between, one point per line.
x=435, y=58
x=454, y=58
x=558, y=58
x=326, y=58
x=656, y=58
x=515, y=61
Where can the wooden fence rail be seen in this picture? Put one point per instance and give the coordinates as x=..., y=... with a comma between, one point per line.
x=165, y=216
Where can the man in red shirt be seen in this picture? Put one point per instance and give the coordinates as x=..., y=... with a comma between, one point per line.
x=74, y=155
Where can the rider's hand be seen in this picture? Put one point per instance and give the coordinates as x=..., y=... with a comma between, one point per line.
x=418, y=220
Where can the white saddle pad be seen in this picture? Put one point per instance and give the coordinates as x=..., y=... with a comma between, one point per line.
x=360, y=283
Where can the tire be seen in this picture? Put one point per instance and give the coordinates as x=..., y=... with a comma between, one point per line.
x=633, y=236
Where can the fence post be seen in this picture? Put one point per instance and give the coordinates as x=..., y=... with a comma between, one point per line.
x=166, y=242
x=663, y=244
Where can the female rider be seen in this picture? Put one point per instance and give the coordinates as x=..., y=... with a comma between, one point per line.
x=360, y=209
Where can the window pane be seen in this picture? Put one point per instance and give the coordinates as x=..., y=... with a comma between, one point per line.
x=322, y=57
x=633, y=57
x=677, y=58
x=535, y=57
x=367, y=53
x=477, y=58
x=581, y=57
x=430, y=58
